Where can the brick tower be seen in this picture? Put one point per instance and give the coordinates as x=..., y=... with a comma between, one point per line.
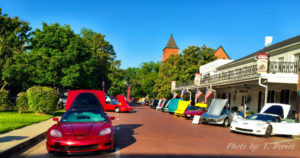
x=171, y=48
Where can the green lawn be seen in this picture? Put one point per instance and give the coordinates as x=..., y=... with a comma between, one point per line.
x=13, y=120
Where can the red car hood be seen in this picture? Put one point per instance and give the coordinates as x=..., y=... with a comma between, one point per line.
x=82, y=128
x=194, y=112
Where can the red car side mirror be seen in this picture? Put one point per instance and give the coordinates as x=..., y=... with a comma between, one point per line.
x=56, y=119
x=112, y=118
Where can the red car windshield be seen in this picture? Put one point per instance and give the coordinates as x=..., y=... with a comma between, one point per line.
x=82, y=116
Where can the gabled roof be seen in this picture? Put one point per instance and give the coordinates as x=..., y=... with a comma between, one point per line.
x=171, y=43
x=267, y=49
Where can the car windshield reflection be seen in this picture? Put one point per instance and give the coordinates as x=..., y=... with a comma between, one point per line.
x=83, y=116
x=261, y=117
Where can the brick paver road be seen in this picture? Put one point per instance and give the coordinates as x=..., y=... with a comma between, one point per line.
x=151, y=133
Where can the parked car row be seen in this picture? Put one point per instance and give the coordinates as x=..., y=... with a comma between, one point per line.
x=270, y=120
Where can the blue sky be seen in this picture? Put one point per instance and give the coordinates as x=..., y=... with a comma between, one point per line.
x=140, y=29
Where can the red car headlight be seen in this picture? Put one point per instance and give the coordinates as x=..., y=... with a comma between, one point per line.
x=55, y=133
x=105, y=131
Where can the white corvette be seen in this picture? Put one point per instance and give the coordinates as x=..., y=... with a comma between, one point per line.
x=270, y=121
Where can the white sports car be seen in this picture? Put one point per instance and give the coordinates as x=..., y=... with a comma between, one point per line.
x=268, y=122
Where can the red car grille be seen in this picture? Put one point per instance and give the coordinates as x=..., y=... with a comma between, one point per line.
x=75, y=148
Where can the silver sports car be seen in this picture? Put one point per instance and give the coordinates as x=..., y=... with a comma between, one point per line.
x=217, y=114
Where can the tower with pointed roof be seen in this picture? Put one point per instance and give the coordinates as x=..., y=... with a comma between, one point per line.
x=171, y=48
x=220, y=53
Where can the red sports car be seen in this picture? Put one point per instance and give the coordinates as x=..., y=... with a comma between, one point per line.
x=84, y=127
x=119, y=106
x=191, y=111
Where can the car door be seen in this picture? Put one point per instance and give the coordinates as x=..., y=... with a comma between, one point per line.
x=285, y=128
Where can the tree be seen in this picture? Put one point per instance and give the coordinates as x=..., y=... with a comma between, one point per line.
x=104, y=56
x=181, y=68
x=14, y=35
x=60, y=58
x=142, y=79
x=118, y=79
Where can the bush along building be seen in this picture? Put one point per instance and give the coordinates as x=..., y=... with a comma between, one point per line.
x=266, y=76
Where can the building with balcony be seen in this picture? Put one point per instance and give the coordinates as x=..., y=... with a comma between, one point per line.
x=239, y=82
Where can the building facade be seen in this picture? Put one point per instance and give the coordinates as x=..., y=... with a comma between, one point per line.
x=239, y=82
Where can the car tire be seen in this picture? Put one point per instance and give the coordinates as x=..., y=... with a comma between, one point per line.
x=117, y=109
x=268, y=131
x=113, y=149
x=226, y=122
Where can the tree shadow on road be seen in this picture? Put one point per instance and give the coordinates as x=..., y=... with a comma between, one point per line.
x=11, y=138
x=125, y=135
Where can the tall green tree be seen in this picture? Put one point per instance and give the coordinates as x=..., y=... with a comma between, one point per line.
x=14, y=34
x=104, y=55
x=60, y=58
x=117, y=78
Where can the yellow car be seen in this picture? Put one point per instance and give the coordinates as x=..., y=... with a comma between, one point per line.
x=182, y=105
x=201, y=105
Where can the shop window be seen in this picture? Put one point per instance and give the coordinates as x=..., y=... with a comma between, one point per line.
x=285, y=96
x=223, y=96
x=271, y=97
x=277, y=96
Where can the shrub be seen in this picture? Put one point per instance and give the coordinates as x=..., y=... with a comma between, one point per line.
x=22, y=102
x=4, y=104
x=42, y=99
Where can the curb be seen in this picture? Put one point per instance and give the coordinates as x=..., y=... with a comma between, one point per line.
x=23, y=145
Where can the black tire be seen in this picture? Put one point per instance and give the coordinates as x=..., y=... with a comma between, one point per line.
x=226, y=122
x=117, y=109
x=113, y=149
x=268, y=131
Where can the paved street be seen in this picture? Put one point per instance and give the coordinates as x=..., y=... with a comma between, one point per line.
x=151, y=133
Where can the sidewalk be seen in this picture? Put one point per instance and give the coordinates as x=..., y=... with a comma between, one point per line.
x=17, y=139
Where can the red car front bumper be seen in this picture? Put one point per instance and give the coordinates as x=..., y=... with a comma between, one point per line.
x=125, y=109
x=76, y=144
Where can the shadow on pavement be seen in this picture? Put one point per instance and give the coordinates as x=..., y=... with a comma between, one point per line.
x=125, y=135
x=11, y=138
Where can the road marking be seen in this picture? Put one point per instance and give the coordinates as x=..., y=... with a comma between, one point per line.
x=117, y=153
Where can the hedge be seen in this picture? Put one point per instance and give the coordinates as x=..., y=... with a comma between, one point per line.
x=42, y=99
x=4, y=104
x=22, y=102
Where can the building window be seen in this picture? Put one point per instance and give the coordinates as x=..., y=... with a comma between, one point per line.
x=271, y=97
x=285, y=96
x=297, y=58
x=223, y=96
